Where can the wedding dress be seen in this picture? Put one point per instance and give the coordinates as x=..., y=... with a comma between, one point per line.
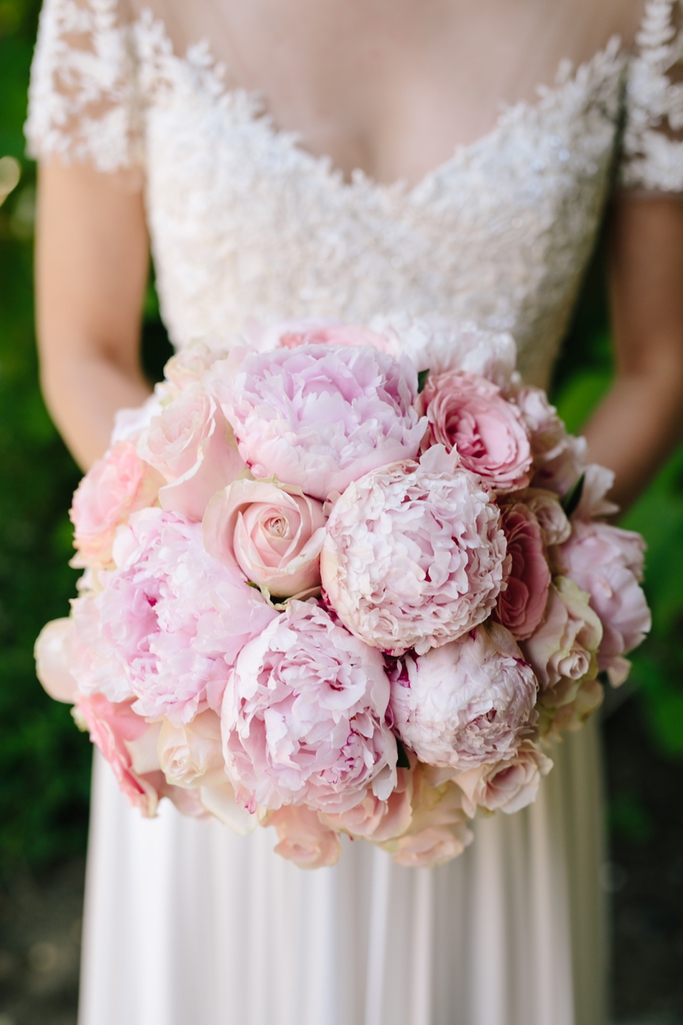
x=187, y=924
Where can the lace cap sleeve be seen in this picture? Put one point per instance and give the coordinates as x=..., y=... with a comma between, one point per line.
x=82, y=97
x=653, y=139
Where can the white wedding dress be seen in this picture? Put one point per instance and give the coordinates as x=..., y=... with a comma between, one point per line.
x=187, y=924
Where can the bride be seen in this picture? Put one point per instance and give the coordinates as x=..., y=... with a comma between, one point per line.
x=344, y=158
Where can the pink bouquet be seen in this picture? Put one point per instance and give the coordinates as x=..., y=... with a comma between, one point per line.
x=343, y=580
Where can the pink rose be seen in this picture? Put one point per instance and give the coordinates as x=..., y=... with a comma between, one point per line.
x=607, y=562
x=467, y=703
x=53, y=658
x=376, y=820
x=112, y=728
x=188, y=366
x=320, y=416
x=191, y=443
x=414, y=555
x=545, y=506
x=469, y=415
x=437, y=832
x=521, y=605
x=508, y=785
x=563, y=649
x=304, y=839
x=304, y=716
x=192, y=755
x=116, y=486
x=273, y=532
x=168, y=622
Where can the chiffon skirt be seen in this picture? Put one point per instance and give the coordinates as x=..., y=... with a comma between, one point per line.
x=188, y=924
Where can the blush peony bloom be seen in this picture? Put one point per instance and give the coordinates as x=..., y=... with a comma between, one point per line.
x=273, y=532
x=116, y=486
x=414, y=555
x=191, y=443
x=376, y=820
x=522, y=604
x=470, y=415
x=192, y=755
x=304, y=839
x=467, y=703
x=508, y=785
x=113, y=728
x=304, y=716
x=291, y=334
x=168, y=622
x=559, y=458
x=320, y=416
x=607, y=562
x=563, y=649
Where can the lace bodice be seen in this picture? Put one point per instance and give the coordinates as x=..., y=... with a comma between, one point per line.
x=245, y=223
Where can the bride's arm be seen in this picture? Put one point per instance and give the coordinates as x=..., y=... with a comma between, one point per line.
x=91, y=271
x=641, y=420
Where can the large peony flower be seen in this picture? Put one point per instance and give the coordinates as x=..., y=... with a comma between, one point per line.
x=508, y=785
x=320, y=416
x=304, y=716
x=414, y=554
x=191, y=443
x=522, y=604
x=304, y=838
x=467, y=703
x=563, y=649
x=272, y=531
x=116, y=486
x=607, y=562
x=168, y=622
x=469, y=414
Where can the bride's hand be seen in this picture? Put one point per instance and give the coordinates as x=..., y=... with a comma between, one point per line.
x=641, y=420
x=91, y=270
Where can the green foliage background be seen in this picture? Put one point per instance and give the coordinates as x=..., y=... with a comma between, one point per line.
x=44, y=761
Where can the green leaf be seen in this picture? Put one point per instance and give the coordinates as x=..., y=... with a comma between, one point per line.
x=422, y=380
x=570, y=502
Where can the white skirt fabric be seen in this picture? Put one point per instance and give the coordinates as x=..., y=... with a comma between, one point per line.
x=188, y=924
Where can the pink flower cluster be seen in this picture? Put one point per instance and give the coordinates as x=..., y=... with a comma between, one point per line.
x=343, y=580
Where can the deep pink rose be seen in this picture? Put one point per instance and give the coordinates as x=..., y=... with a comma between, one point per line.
x=304, y=714
x=414, y=555
x=607, y=562
x=272, y=531
x=319, y=416
x=113, y=727
x=116, y=486
x=522, y=604
x=468, y=414
x=304, y=839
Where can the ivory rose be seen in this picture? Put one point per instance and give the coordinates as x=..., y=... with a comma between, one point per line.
x=607, y=562
x=319, y=416
x=304, y=839
x=303, y=716
x=467, y=703
x=508, y=785
x=191, y=443
x=191, y=755
x=272, y=531
x=53, y=660
x=521, y=605
x=414, y=555
x=563, y=649
x=115, y=486
x=468, y=414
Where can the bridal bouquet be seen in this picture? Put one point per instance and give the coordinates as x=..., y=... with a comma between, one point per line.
x=343, y=580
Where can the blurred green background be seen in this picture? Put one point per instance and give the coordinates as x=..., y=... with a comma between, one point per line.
x=44, y=761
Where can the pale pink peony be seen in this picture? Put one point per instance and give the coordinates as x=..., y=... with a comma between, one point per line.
x=438, y=829
x=507, y=785
x=290, y=334
x=467, y=703
x=522, y=604
x=376, y=820
x=563, y=649
x=320, y=416
x=272, y=531
x=304, y=839
x=188, y=366
x=304, y=716
x=191, y=443
x=414, y=554
x=53, y=660
x=168, y=623
x=607, y=562
x=116, y=486
x=113, y=727
x=192, y=755
x=469, y=414
x=559, y=458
